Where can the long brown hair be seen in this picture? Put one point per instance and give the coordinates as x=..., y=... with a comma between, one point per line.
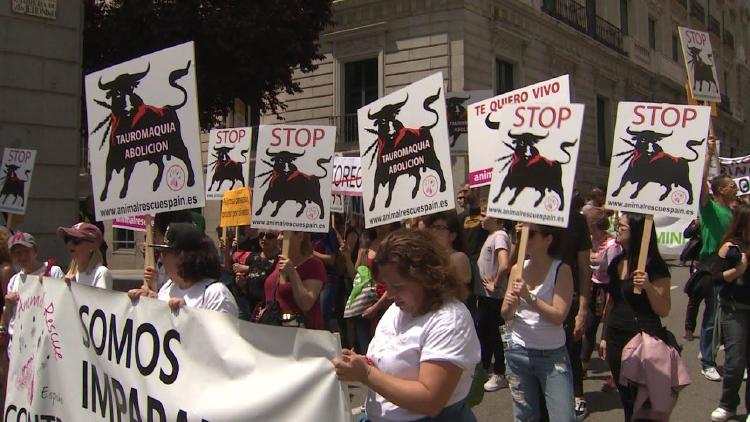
x=737, y=231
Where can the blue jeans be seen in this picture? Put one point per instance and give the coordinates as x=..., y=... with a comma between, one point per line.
x=708, y=359
x=530, y=371
x=457, y=412
x=327, y=304
x=735, y=326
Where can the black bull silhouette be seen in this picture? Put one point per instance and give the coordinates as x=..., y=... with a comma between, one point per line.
x=702, y=71
x=226, y=169
x=392, y=136
x=286, y=183
x=131, y=120
x=14, y=186
x=529, y=169
x=456, y=113
x=648, y=163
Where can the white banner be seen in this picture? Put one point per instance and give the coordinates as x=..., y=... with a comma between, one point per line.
x=456, y=104
x=83, y=354
x=292, y=176
x=669, y=234
x=228, y=161
x=404, y=145
x=483, y=127
x=658, y=155
x=700, y=64
x=16, y=168
x=535, y=164
x=144, y=144
x=347, y=176
x=735, y=167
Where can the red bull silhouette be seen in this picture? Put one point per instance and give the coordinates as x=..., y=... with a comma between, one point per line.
x=456, y=113
x=702, y=71
x=13, y=185
x=226, y=169
x=140, y=132
x=648, y=163
x=400, y=150
x=530, y=169
x=286, y=183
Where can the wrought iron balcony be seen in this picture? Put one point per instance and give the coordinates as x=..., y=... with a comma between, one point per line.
x=608, y=34
x=714, y=26
x=346, y=128
x=728, y=39
x=697, y=11
x=576, y=15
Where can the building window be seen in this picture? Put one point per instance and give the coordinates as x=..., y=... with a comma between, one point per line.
x=624, y=17
x=360, y=89
x=675, y=48
x=503, y=76
x=123, y=239
x=652, y=33
x=603, y=137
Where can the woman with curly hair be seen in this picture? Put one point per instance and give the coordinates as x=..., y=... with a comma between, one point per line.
x=191, y=262
x=421, y=360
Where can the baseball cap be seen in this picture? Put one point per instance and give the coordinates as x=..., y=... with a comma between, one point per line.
x=83, y=231
x=21, y=238
x=181, y=236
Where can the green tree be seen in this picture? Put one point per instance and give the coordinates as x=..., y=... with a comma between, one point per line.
x=246, y=49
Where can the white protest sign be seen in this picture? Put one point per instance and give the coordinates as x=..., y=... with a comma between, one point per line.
x=406, y=164
x=700, y=64
x=347, y=176
x=658, y=155
x=483, y=124
x=81, y=353
x=144, y=143
x=337, y=203
x=293, y=178
x=457, y=104
x=228, y=166
x=743, y=185
x=16, y=170
x=535, y=163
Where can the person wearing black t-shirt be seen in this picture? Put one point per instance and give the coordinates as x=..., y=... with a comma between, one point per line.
x=474, y=236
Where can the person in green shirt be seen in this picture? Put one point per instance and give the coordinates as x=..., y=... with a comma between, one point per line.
x=715, y=216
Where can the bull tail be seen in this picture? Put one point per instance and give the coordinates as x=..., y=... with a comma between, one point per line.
x=427, y=106
x=243, y=153
x=690, y=145
x=173, y=77
x=320, y=162
x=27, y=173
x=565, y=145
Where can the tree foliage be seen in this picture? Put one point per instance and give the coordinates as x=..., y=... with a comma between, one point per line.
x=246, y=49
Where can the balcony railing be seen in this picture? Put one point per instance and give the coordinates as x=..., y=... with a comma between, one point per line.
x=725, y=105
x=575, y=14
x=714, y=26
x=728, y=39
x=346, y=128
x=697, y=11
x=608, y=34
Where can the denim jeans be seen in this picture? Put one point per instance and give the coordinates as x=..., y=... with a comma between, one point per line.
x=708, y=360
x=457, y=412
x=530, y=371
x=735, y=327
x=328, y=304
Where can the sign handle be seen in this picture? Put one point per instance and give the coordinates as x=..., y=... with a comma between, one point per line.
x=517, y=270
x=227, y=249
x=149, y=252
x=645, y=241
x=285, y=248
x=9, y=222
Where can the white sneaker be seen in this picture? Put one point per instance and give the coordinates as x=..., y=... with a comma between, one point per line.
x=711, y=374
x=496, y=382
x=721, y=415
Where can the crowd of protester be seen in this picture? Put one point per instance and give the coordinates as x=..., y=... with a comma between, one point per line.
x=428, y=308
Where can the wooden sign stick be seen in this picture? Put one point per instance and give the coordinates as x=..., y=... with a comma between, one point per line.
x=149, y=252
x=9, y=222
x=645, y=241
x=285, y=248
x=518, y=269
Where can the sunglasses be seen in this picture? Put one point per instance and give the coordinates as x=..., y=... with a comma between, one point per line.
x=439, y=227
x=267, y=236
x=73, y=240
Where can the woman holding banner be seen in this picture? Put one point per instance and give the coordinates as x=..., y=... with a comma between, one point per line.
x=83, y=241
x=420, y=362
x=536, y=305
x=629, y=312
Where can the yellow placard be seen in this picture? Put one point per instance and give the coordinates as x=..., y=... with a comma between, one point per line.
x=235, y=208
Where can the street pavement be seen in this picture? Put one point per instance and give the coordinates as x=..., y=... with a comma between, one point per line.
x=695, y=403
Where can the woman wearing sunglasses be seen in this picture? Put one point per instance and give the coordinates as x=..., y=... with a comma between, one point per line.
x=536, y=303
x=250, y=274
x=83, y=241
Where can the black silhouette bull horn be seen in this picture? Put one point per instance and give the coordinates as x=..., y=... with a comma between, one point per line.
x=458, y=100
x=281, y=153
x=124, y=80
x=648, y=134
x=490, y=124
x=527, y=136
x=388, y=110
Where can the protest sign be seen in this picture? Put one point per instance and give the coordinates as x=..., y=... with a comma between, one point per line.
x=133, y=222
x=143, y=135
x=456, y=104
x=735, y=167
x=337, y=203
x=484, y=130
x=228, y=148
x=17, y=168
x=743, y=185
x=81, y=353
x=347, y=176
x=292, y=176
x=535, y=165
x=235, y=208
x=658, y=156
x=403, y=141
x=700, y=64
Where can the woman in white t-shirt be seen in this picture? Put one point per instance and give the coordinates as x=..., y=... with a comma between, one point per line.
x=83, y=241
x=191, y=262
x=536, y=303
x=420, y=363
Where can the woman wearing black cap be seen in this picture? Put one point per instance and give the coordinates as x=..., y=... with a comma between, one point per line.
x=83, y=241
x=192, y=264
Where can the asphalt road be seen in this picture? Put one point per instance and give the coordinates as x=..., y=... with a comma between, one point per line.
x=695, y=403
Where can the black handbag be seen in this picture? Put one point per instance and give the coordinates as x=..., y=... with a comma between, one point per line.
x=692, y=250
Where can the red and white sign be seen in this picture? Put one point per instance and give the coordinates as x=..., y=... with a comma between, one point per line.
x=228, y=163
x=347, y=176
x=700, y=64
x=16, y=169
x=133, y=222
x=483, y=122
